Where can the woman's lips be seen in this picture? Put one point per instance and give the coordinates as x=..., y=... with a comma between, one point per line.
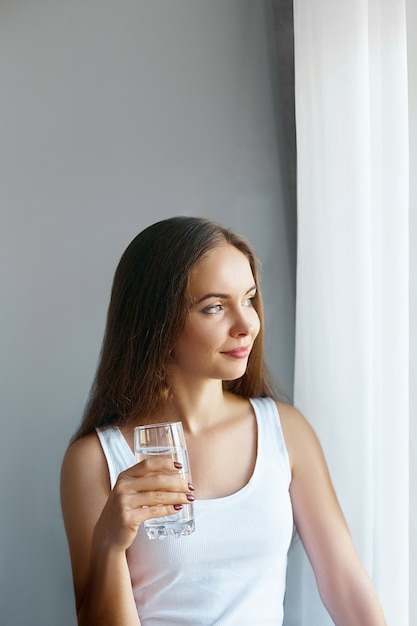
x=238, y=353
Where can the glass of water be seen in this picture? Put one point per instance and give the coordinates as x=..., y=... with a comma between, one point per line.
x=166, y=440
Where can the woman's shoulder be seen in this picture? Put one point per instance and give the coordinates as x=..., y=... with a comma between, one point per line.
x=292, y=420
x=83, y=460
x=298, y=433
x=84, y=446
x=289, y=413
x=292, y=416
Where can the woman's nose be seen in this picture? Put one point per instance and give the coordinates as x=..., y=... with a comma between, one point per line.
x=243, y=322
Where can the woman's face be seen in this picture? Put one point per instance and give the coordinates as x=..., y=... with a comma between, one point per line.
x=222, y=324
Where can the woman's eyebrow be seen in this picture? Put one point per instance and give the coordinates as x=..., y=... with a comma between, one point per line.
x=207, y=296
x=222, y=296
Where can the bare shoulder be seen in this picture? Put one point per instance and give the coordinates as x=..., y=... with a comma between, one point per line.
x=80, y=448
x=84, y=456
x=289, y=413
x=300, y=437
x=293, y=421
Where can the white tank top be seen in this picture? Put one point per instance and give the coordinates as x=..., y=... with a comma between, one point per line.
x=231, y=571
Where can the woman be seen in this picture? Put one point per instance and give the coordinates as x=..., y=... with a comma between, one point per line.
x=183, y=341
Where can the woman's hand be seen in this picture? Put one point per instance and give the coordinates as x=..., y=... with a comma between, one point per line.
x=152, y=488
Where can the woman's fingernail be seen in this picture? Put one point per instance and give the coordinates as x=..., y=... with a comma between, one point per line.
x=191, y=487
x=177, y=465
x=190, y=497
x=178, y=507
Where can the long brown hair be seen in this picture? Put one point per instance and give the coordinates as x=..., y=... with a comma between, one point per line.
x=147, y=312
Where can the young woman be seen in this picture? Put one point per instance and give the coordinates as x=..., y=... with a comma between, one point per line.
x=183, y=342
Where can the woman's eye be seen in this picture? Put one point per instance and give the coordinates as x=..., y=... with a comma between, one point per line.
x=249, y=301
x=212, y=309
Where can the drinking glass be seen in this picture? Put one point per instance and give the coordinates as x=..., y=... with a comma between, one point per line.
x=166, y=440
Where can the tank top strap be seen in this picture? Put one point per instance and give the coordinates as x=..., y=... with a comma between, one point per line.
x=118, y=454
x=271, y=442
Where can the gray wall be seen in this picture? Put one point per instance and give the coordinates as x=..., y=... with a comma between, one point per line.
x=115, y=115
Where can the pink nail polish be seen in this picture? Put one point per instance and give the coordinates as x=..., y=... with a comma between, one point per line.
x=177, y=465
x=178, y=507
x=191, y=487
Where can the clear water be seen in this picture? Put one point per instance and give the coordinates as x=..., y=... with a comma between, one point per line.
x=182, y=522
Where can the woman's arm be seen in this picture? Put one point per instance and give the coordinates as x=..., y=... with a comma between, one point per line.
x=344, y=586
x=101, y=524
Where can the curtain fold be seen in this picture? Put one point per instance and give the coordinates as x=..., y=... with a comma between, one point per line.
x=352, y=322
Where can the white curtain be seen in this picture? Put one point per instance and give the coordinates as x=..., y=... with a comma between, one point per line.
x=352, y=324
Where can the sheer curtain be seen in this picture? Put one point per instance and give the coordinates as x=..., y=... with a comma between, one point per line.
x=352, y=325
